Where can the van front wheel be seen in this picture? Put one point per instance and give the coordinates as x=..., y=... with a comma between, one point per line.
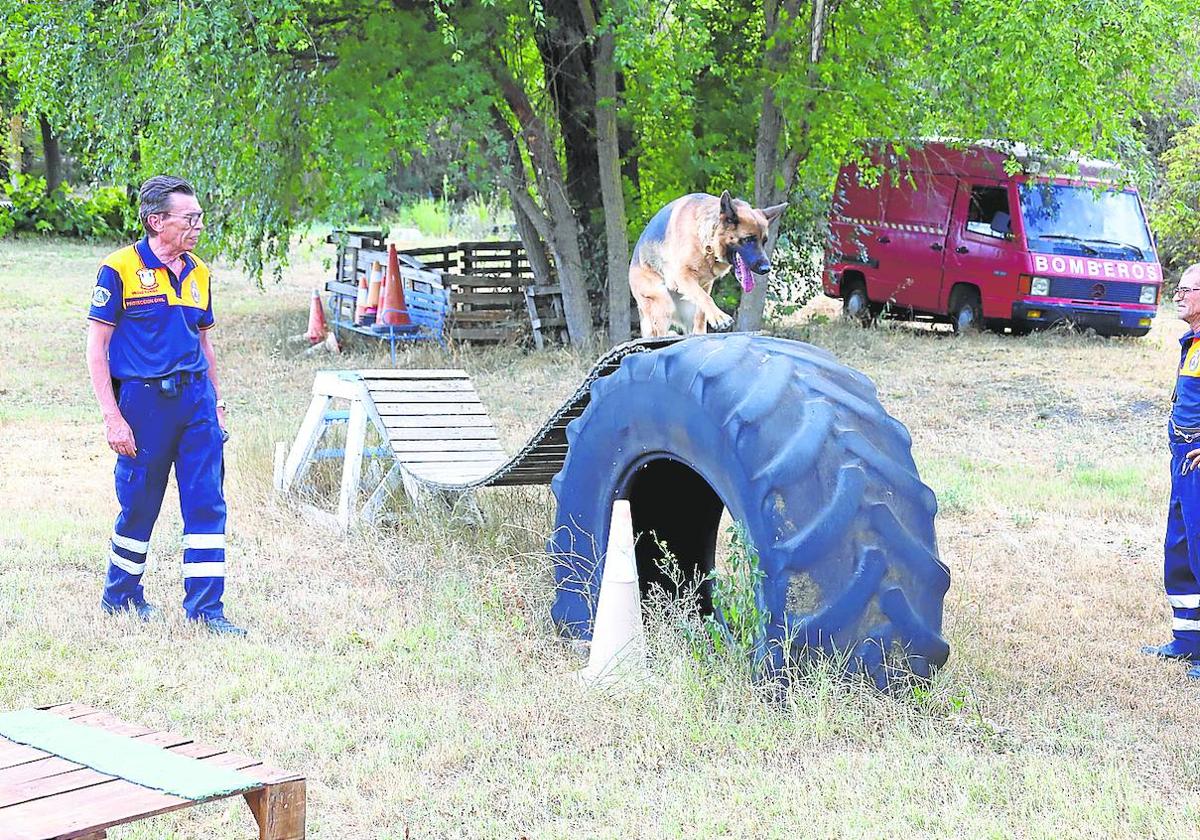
x=965, y=311
x=856, y=306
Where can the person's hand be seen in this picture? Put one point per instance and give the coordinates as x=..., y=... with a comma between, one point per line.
x=120, y=436
x=1191, y=462
x=221, y=419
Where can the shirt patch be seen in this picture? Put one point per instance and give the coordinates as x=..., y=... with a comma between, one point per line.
x=148, y=278
x=145, y=301
x=195, y=289
x=100, y=296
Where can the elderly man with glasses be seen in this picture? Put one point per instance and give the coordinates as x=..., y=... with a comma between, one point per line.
x=1181, y=564
x=154, y=373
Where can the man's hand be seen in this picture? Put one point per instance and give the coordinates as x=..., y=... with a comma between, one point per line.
x=1191, y=462
x=221, y=418
x=120, y=436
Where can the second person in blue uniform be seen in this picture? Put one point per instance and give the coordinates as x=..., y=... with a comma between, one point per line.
x=154, y=373
x=1181, y=562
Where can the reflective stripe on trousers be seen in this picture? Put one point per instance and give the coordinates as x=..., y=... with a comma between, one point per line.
x=1181, y=548
x=180, y=431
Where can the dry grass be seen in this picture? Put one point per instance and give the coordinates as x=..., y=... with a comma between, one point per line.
x=410, y=672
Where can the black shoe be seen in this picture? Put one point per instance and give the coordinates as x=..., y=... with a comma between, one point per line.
x=145, y=612
x=1174, y=649
x=222, y=626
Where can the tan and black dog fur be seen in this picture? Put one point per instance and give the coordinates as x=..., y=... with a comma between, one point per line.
x=684, y=249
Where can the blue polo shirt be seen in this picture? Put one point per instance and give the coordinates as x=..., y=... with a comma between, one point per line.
x=157, y=316
x=1185, y=404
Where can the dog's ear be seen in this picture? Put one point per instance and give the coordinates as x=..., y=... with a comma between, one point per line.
x=728, y=212
x=774, y=211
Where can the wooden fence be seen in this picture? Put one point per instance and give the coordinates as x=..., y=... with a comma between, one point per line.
x=493, y=294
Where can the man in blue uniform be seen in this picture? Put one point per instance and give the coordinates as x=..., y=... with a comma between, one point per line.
x=1181, y=567
x=154, y=374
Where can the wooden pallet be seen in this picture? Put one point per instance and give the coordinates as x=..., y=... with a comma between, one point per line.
x=45, y=797
x=487, y=308
x=493, y=294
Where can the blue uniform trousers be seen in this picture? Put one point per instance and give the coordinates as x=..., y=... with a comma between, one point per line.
x=1181, y=555
x=179, y=429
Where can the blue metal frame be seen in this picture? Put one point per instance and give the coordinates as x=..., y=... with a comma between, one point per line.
x=426, y=313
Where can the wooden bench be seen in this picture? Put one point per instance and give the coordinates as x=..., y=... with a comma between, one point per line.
x=46, y=797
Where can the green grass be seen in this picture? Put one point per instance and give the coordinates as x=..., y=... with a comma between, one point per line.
x=478, y=218
x=411, y=673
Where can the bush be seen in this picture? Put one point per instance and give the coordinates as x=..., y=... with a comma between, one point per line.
x=104, y=213
x=428, y=215
x=1177, y=209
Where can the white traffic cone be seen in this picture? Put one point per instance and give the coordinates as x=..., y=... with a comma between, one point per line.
x=618, y=642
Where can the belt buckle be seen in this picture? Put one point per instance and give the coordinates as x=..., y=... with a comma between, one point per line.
x=168, y=386
x=1187, y=434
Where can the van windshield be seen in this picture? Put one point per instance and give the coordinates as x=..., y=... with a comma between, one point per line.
x=1061, y=219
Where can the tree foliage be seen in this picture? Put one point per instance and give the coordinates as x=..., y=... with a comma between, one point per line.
x=289, y=111
x=1177, y=216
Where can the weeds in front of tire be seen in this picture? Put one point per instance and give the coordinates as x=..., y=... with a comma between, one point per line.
x=738, y=623
x=731, y=635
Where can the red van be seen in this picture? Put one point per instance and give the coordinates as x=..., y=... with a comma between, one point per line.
x=947, y=234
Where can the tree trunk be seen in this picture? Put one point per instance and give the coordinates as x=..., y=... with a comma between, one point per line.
x=16, y=128
x=535, y=248
x=608, y=153
x=556, y=224
x=775, y=159
x=52, y=155
x=567, y=66
x=766, y=193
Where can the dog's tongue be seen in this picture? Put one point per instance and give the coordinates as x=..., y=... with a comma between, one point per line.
x=743, y=272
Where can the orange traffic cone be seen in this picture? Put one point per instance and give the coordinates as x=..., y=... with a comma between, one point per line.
x=392, y=308
x=374, y=290
x=360, y=302
x=383, y=281
x=316, y=319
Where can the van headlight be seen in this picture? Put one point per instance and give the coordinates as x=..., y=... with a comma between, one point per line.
x=1149, y=294
x=1040, y=286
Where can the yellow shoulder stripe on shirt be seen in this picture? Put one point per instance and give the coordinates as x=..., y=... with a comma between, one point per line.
x=1191, y=362
x=139, y=282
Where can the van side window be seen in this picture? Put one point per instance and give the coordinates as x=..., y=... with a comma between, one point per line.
x=989, y=214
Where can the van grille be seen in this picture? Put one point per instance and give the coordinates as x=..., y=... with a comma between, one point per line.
x=1089, y=288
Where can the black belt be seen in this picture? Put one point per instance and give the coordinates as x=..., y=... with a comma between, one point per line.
x=182, y=377
x=169, y=385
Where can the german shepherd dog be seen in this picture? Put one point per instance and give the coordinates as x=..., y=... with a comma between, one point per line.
x=685, y=248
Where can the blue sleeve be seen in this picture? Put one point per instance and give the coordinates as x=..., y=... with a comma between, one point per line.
x=207, y=320
x=107, y=303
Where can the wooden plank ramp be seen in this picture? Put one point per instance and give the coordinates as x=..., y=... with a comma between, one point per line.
x=46, y=797
x=440, y=435
x=436, y=424
x=412, y=417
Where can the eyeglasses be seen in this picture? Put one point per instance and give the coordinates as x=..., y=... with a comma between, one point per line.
x=194, y=220
x=1183, y=290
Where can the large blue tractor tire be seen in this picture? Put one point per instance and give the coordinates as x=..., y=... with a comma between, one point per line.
x=798, y=448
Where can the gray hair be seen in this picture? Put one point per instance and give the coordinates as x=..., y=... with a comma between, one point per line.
x=155, y=194
x=1194, y=268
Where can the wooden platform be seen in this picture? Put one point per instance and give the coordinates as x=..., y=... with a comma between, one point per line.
x=45, y=797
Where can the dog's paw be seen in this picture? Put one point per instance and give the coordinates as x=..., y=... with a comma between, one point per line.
x=722, y=324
